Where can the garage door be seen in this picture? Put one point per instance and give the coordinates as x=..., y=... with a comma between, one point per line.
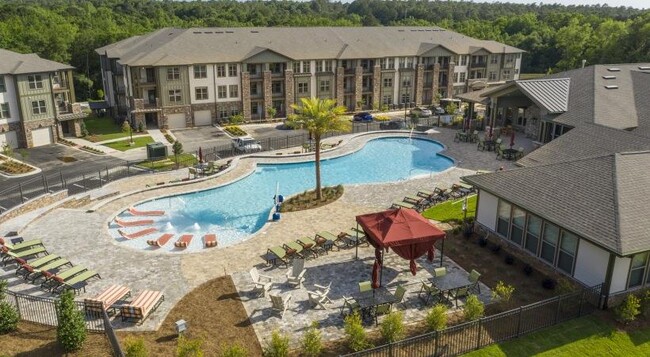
x=9, y=138
x=202, y=118
x=176, y=121
x=42, y=136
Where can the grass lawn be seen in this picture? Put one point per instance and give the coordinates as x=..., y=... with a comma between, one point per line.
x=451, y=210
x=165, y=164
x=101, y=129
x=124, y=144
x=586, y=336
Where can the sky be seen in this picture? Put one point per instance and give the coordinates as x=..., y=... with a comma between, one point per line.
x=639, y=4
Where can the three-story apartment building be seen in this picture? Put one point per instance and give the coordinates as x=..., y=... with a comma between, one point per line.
x=36, y=101
x=189, y=77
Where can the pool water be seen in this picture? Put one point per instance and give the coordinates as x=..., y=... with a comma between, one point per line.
x=237, y=210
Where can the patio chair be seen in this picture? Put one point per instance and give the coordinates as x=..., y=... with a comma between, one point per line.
x=293, y=250
x=383, y=309
x=352, y=238
x=429, y=291
x=323, y=290
x=351, y=304
x=481, y=144
x=261, y=287
x=325, y=243
x=459, y=293
x=276, y=254
x=438, y=272
x=279, y=304
x=22, y=245
x=310, y=246
x=499, y=150
x=365, y=286
x=401, y=204
x=296, y=276
x=473, y=278
x=318, y=300
x=38, y=263
x=399, y=295
x=142, y=305
x=473, y=137
x=53, y=281
x=520, y=153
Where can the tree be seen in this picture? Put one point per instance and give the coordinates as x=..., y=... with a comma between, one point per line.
x=271, y=112
x=177, y=149
x=318, y=117
x=126, y=128
x=7, y=151
x=71, y=331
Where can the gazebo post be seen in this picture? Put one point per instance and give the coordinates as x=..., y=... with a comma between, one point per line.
x=442, y=251
x=356, y=246
x=381, y=272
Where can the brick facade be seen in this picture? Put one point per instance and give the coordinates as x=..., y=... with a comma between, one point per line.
x=419, y=84
x=267, y=84
x=288, y=91
x=26, y=139
x=246, y=95
x=185, y=109
x=358, y=87
x=340, y=94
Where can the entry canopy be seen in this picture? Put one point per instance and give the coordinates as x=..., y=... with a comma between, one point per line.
x=403, y=230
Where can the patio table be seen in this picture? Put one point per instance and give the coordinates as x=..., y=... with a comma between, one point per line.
x=451, y=281
x=368, y=300
x=510, y=154
x=489, y=145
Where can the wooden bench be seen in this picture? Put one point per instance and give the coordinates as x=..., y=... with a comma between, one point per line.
x=106, y=299
x=142, y=305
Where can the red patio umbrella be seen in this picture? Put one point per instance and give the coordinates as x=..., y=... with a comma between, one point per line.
x=376, y=269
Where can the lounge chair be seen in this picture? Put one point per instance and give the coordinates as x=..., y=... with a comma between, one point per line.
x=416, y=200
x=331, y=239
x=400, y=204
x=184, y=241
x=138, y=234
x=431, y=196
x=353, y=237
x=310, y=246
x=10, y=256
x=77, y=282
x=276, y=254
x=279, y=304
x=136, y=212
x=52, y=281
x=142, y=305
x=296, y=276
x=37, y=273
x=142, y=222
x=105, y=300
x=262, y=282
x=210, y=240
x=318, y=300
x=293, y=250
x=162, y=240
x=22, y=245
x=38, y=262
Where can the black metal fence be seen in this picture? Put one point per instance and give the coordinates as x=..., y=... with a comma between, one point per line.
x=489, y=330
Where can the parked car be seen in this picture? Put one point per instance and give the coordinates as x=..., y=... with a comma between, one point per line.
x=392, y=125
x=246, y=144
x=439, y=111
x=421, y=112
x=363, y=117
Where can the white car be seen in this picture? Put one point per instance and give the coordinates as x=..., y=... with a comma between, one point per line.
x=421, y=112
x=246, y=144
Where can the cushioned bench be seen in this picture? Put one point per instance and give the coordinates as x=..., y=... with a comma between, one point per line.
x=142, y=305
x=106, y=299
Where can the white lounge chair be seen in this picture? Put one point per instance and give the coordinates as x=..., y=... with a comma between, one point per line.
x=280, y=304
x=296, y=276
x=261, y=287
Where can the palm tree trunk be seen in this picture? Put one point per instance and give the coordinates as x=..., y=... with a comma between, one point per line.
x=319, y=194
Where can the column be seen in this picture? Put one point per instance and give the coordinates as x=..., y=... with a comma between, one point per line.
x=268, y=91
x=339, y=93
x=450, y=80
x=419, y=84
x=246, y=95
x=435, y=85
x=358, y=87
x=376, y=87
x=289, y=90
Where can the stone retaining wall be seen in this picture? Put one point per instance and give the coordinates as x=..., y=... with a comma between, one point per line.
x=41, y=201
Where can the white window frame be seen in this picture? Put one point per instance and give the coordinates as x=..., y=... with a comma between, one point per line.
x=200, y=71
x=221, y=70
x=201, y=93
x=173, y=73
x=233, y=91
x=5, y=112
x=232, y=70
x=324, y=85
x=303, y=88
x=39, y=108
x=222, y=92
x=175, y=95
x=35, y=81
x=3, y=86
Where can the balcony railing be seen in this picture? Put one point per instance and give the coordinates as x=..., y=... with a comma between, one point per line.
x=479, y=64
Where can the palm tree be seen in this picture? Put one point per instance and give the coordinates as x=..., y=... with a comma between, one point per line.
x=318, y=117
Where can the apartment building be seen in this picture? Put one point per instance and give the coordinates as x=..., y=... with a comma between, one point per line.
x=189, y=77
x=36, y=101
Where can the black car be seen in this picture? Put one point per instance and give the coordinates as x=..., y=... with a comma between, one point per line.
x=363, y=117
x=392, y=125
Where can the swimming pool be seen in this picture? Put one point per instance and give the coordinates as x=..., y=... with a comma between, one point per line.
x=237, y=210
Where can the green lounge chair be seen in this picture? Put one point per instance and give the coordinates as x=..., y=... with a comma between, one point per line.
x=10, y=256
x=38, y=273
x=35, y=264
x=400, y=204
x=351, y=238
x=276, y=254
x=77, y=282
x=56, y=280
x=414, y=199
x=23, y=245
x=293, y=250
x=336, y=241
x=309, y=245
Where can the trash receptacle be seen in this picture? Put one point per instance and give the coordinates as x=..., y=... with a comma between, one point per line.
x=156, y=151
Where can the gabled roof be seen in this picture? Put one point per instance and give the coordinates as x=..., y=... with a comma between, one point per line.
x=550, y=94
x=18, y=63
x=602, y=199
x=218, y=45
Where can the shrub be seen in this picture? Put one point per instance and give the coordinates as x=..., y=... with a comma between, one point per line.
x=235, y=350
x=392, y=328
x=628, y=310
x=482, y=242
x=71, y=331
x=496, y=248
x=8, y=315
x=384, y=108
x=279, y=346
x=235, y=130
x=509, y=259
x=355, y=334
x=549, y=284
x=83, y=129
x=381, y=118
x=564, y=286
x=503, y=291
x=311, y=342
x=437, y=318
x=169, y=138
x=236, y=119
x=126, y=127
x=528, y=269
x=271, y=112
x=188, y=348
x=473, y=309
x=645, y=303
x=135, y=347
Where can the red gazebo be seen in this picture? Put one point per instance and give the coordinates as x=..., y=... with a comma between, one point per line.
x=403, y=230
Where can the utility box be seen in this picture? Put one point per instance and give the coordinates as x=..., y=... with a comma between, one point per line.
x=156, y=151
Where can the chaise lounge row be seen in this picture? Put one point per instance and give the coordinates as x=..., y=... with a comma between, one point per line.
x=425, y=198
x=138, y=309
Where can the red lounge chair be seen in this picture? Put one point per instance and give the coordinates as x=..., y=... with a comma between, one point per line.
x=137, y=234
x=210, y=240
x=142, y=222
x=162, y=240
x=184, y=241
x=135, y=212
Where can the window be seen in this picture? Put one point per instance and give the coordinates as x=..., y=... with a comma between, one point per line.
x=173, y=73
x=387, y=99
x=366, y=83
x=388, y=82
x=328, y=66
x=506, y=74
x=637, y=269
x=518, y=222
x=201, y=93
x=567, y=254
x=533, y=232
x=276, y=87
x=35, y=81
x=406, y=82
x=221, y=70
x=222, y=92
x=4, y=111
x=232, y=70
x=549, y=242
x=234, y=111
x=175, y=95
x=306, y=67
x=409, y=62
x=234, y=91
x=3, y=88
x=38, y=107
x=324, y=85
x=223, y=113
x=510, y=58
x=462, y=76
x=254, y=88
x=252, y=69
x=456, y=77
x=200, y=71
x=275, y=67
x=406, y=98
x=494, y=59
x=463, y=60
x=303, y=88
x=402, y=62
x=319, y=66
x=492, y=76
x=296, y=67
x=503, y=218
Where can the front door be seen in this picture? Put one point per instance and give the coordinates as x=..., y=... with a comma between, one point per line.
x=151, y=96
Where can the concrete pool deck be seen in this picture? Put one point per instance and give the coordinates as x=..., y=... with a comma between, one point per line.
x=83, y=238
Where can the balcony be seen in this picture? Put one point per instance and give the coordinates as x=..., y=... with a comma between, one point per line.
x=480, y=64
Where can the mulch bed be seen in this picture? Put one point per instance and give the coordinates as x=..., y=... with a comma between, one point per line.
x=308, y=200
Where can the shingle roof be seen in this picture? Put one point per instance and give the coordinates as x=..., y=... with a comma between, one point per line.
x=206, y=45
x=18, y=63
x=551, y=94
x=602, y=199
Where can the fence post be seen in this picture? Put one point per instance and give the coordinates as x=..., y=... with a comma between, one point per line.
x=478, y=340
x=47, y=189
x=287, y=142
x=20, y=188
x=101, y=183
x=582, y=297
x=435, y=343
x=18, y=307
x=521, y=310
x=557, y=310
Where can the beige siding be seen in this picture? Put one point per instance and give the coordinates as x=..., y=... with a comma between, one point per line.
x=326, y=77
x=26, y=103
x=166, y=85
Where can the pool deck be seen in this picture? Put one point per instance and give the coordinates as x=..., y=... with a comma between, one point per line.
x=83, y=237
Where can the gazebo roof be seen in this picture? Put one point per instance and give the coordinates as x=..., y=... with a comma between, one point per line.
x=398, y=227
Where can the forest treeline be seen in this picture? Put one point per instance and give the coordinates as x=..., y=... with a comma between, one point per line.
x=555, y=37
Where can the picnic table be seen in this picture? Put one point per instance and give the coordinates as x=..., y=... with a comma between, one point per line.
x=369, y=300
